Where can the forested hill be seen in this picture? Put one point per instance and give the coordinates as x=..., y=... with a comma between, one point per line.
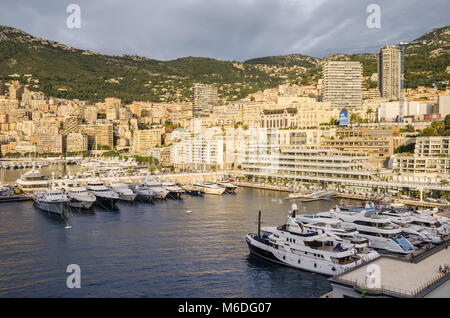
x=66, y=72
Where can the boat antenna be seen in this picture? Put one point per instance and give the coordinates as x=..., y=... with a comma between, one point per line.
x=259, y=223
x=294, y=210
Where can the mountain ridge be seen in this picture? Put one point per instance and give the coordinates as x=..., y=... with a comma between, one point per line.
x=68, y=72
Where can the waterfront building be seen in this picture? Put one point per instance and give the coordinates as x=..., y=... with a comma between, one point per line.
x=303, y=164
x=48, y=140
x=342, y=84
x=377, y=142
x=145, y=139
x=76, y=142
x=389, y=71
x=100, y=134
x=431, y=158
x=25, y=147
x=201, y=150
x=204, y=99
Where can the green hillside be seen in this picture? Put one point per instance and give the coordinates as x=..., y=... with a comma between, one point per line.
x=65, y=72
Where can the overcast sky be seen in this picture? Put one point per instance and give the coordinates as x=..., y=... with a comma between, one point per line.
x=225, y=29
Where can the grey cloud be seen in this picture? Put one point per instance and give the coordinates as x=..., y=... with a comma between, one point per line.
x=226, y=29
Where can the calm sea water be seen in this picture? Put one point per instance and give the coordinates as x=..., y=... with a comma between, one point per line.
x=151, y=250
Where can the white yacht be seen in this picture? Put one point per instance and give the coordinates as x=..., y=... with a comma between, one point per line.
x=53, y=201
x=335, y=229
x=418, y=228
x=175, y=191
x=143, y=192
x=33, y=180
x=382, y=233
x=157, y=188
x=209, y=187
x=78, y=195
x=294, y=245
x=105, y=197
x=228, y=185
x=125, y=193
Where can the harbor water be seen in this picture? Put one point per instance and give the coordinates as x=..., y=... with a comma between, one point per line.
x=152, y=250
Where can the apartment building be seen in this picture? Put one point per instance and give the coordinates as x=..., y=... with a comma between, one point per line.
x=49, y=140
x=76, y=142
x=342, y=84
x=145, y=139
x=204, y=98
x=389, y=72
x=100, y=134
x=431, y=158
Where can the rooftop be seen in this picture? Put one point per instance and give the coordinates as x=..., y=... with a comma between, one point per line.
x=399, y=276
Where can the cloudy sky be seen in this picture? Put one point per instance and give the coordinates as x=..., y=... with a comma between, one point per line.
x=226, y=29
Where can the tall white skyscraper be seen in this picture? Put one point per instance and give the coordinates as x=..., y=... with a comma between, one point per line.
x=389, y=72
x=342, y=83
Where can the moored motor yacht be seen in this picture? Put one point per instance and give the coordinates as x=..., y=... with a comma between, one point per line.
x=295, y=245
x=124, y=192
x=143, y=192
x=105, y=197
x=157, y=187
x=209, y=187
x=33, y=180
x=52, y=201
x=175, y=191
x=335, y=229
x=228, y=185
x=78, y=195
x=382, y=233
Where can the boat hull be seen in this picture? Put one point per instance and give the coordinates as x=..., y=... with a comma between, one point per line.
x=107, y=202
x=310, y=264
x=51, y=207
x=127, y=197
x=79, y=204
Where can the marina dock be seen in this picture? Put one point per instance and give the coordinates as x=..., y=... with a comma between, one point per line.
x=416, y=279
x=15, y=198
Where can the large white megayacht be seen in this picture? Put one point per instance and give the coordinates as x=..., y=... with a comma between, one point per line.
x=382, y=233
x=105, y=197
x=124, y=192
x=52, y=201
x=335, y=229
x=175, y=191
x=294, y=245
x=78, y=195
x=33, y=180
x=209, y=187
x=419, y=228
x=143, y=192
x=157, y=187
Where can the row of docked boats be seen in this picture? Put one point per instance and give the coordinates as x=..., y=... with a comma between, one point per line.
x=52, y=195
x=334, y=241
